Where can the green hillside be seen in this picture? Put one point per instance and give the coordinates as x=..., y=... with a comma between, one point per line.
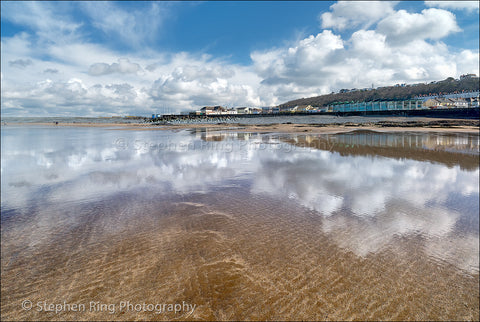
x=449, y=85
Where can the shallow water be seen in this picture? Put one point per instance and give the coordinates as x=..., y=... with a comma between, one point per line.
x=360, y=225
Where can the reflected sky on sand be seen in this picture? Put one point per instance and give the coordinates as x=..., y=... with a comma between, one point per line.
x=365, y=193
x=371, y=186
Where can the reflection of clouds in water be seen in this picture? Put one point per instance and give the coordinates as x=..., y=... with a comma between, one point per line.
x=92, y=170
x=434, y=224
x=462, y=251
x=370, y=183
x=385, y=197
x=369, y=203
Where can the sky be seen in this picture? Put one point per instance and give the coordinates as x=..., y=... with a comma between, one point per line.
x=107, y=58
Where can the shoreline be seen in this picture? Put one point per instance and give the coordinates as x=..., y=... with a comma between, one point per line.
x=423, y=125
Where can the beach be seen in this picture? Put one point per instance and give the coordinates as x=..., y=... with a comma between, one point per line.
x=385, y=125
x=240, y=222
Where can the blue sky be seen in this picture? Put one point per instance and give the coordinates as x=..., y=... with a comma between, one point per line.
x=135, y=58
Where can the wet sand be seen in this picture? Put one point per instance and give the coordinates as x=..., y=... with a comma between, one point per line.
x=235, y=251
x=218, y=252
x=448, y=148
x=391, y=125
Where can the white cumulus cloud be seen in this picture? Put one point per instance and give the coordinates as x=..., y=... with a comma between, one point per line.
x=201, y=83
x=301, y=64
x=402, y=47
x=403, y=27
x=352, y=14
x=124, y=66
x=455, y=5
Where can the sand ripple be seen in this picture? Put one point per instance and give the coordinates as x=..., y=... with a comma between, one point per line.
x=234, y=255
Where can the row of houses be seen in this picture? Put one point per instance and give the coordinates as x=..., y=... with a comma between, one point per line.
x=456, y=94
x=442, y=102
x=216, y=110
x=220, y=110
x=414, y=104
x=375, y=106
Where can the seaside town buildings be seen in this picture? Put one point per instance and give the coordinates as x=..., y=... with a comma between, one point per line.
x=456, y=99
x=399, y=105
x=441, y=102
x=433, y=101
x=216, y=110
x=460, y=100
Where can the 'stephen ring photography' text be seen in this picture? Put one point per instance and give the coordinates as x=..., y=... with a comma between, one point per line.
x=123, y=306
